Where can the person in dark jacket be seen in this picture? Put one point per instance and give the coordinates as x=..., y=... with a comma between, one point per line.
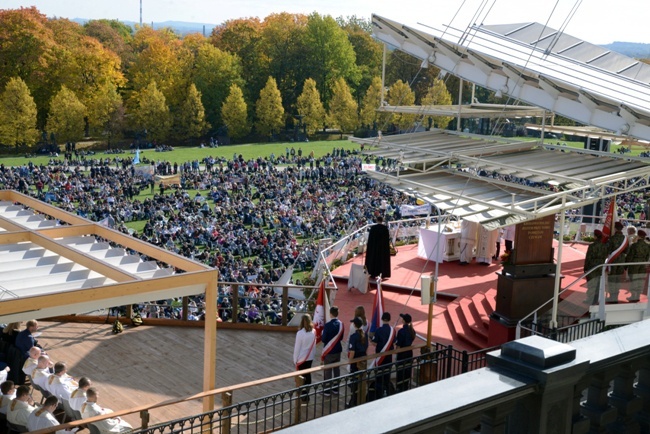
x=405, y=338
x=357, y=347
x=378, y=250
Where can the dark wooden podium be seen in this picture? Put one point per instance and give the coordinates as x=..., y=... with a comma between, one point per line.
x=526, y=280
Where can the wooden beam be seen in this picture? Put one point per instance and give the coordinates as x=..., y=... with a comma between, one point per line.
x=67, y=231
x=210, y=340
x=15, y=237
x=36, y=303
x=43, y=207
x=150, y=250
x=104, y=268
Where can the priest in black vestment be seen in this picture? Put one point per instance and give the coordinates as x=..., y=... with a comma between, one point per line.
x=378, y=250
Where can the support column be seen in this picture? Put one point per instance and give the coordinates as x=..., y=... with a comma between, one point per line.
x=210, y=341
x=597, y=407
x=624, y=399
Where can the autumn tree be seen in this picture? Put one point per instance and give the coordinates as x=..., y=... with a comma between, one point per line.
x=151, y=113
x=368, y=51
x=214, y=72
x=343, y=112
x=243, y=38
x=400, y=94
x=283, y=43
x=106, y=113
x=269, y=110
x=438, y=95
x=191, y=117
x=330, y=54
x=115, y=36
x=371, y=101
x=310, y=107
x=66, y=117
x=234, y=113
x=17, y=115
x=28, y=51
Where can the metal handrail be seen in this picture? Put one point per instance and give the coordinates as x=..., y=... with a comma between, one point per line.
x=600, y=266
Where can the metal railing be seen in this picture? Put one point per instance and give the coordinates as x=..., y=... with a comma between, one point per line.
x=307, y=401
x=538, y=321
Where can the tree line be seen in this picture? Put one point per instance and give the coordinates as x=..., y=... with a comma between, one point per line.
x=249, y=78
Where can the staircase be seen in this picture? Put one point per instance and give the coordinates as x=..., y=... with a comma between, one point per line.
x=470, y=318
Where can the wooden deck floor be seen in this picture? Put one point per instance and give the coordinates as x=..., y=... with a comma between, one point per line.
x=151, y=364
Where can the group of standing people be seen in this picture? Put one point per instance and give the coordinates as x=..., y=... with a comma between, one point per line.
x=632, y=247
x=385, y=338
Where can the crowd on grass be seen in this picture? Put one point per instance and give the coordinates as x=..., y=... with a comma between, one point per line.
x=252, y=219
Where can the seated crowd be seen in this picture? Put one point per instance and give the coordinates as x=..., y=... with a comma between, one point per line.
x=63, y=397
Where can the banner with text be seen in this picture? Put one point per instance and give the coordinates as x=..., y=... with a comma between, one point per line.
x=411, y=210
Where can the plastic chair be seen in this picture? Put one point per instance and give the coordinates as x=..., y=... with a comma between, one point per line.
x=13, y=428
x=70, y=414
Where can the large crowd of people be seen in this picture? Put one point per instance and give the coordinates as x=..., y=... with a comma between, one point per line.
x=252, y=219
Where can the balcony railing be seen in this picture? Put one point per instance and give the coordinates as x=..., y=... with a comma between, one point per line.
x=306, y=402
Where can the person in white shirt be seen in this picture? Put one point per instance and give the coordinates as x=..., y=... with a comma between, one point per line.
x=32, y=361
x=43, y=417
x=78, y=397
x=305, y=349
x=4, y=373
x=61, y=384
x=92, y=409
x=21, y=407
x=8, y=394
x=41, y=374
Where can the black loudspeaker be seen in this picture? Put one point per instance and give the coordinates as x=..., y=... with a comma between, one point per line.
x=594, y=144
x=594, y=209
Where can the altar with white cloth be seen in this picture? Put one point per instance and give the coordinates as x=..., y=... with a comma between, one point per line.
x=448, y=250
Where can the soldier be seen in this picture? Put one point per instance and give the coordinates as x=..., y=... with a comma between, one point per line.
x=596, y=255
x=638, y=252
x=616, y=272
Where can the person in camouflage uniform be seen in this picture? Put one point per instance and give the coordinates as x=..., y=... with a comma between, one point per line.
x=638, y=252
x=596, y=255
x=615, y=277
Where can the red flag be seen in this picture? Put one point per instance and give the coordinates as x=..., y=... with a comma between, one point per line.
x=377, y=308
x=616, y=253
x=319, y=312
x=608, y=225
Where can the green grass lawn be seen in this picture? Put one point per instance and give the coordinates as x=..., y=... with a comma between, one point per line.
x=182, y=154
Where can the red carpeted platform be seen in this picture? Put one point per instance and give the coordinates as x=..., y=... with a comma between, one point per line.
x=466, y=294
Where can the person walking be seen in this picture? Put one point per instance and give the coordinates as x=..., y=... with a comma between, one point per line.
x=357, y=347
x=405, y=338
x=305, y=349
x=332, y=337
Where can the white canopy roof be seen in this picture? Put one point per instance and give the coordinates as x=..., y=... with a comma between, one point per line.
x=537, y=65
x=498, y=182
x=55, y=263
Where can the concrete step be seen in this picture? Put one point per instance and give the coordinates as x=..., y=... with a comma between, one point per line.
x=462, y=328
x=472, y=318
x=479, y=305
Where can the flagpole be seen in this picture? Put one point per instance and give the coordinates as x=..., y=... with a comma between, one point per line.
x=558, y=268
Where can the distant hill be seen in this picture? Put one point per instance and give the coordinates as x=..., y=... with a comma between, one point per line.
x=180, y=27
x=633, y=49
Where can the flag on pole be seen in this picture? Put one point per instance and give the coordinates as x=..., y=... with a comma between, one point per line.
x=610, y=216
x=616, y=253
x=377, y=308
x=321, y=313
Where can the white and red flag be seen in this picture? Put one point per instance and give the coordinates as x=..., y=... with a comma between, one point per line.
x=610, y=216
x=321, y=312
x=377, y=308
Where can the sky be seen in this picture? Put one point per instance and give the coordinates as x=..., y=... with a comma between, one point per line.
x=595, y=21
